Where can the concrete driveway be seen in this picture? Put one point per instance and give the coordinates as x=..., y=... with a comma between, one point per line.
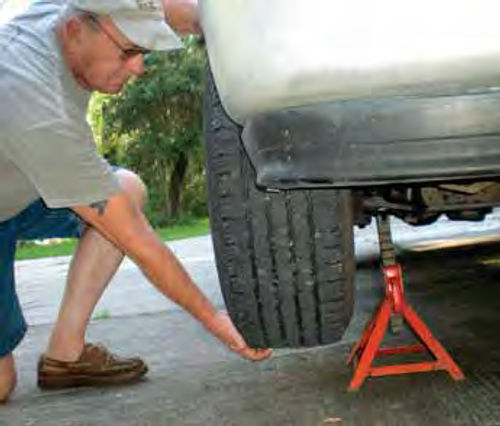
x=452, y=275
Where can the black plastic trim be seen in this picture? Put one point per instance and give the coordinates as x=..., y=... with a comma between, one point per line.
x=377, y=141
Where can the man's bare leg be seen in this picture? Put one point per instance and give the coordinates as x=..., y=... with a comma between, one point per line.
x=93, y=265
x=8, y=377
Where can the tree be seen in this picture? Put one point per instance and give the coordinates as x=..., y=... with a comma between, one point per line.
x=154, y=125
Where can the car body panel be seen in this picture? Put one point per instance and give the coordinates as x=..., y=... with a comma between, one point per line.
x=268, y=55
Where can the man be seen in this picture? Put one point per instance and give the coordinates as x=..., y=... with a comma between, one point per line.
x=52, y=182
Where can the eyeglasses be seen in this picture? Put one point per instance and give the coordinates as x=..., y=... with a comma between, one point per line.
x=126, y=53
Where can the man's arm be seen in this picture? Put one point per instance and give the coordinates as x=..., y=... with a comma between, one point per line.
x=124, y=224
x=183, y=16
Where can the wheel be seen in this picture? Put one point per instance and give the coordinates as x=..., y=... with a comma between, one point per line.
x=285, y=260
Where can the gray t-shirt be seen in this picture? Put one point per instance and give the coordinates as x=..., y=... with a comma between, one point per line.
x=46, y=146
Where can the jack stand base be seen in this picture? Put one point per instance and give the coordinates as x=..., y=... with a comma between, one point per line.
x=368, y=347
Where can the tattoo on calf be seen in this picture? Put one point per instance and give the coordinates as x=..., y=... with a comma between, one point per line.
x=100, y=206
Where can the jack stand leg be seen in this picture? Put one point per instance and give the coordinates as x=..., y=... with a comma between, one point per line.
x=368, y=352
x=359, y=347
x=395, y=305
x=444, y=360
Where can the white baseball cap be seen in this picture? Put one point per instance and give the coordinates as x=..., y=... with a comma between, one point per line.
x=142, y=21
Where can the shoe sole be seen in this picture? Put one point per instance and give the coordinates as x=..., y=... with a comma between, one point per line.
x=67, y=381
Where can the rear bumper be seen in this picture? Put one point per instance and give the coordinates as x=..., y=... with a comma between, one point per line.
x=377, y=141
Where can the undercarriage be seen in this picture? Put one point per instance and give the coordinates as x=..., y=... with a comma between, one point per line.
x=423, y=204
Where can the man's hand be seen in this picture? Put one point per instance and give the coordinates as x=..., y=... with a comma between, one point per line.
x=183, y=16
x=223, y=328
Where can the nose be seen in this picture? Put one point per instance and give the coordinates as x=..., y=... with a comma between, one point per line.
x=135, y=65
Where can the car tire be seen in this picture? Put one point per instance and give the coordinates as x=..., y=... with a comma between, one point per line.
x=285, y=259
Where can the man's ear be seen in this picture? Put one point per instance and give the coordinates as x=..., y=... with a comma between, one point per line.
x=73, y=28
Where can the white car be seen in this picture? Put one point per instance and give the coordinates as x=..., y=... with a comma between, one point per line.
x=320, y=114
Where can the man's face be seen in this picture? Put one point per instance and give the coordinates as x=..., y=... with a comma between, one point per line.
x=101, y=57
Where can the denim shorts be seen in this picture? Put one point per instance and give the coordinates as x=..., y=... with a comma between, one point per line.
x=34, y=222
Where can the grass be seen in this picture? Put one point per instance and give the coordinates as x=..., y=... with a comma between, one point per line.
x=101, y=315
x=32, y=250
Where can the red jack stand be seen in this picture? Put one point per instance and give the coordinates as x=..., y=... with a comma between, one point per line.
x=394, y=306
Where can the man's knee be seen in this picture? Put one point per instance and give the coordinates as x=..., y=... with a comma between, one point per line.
x=8, y=377
x=133, y=186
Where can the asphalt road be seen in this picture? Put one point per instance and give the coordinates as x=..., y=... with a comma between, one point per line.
x=452, y=275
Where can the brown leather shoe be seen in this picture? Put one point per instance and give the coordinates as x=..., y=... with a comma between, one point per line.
x=95, y=367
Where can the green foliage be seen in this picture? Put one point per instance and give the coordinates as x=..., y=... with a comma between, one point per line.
x=184, y=228
x=154, y=128
x=101, y=315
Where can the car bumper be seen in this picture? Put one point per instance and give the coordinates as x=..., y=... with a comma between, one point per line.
x=377, y=141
